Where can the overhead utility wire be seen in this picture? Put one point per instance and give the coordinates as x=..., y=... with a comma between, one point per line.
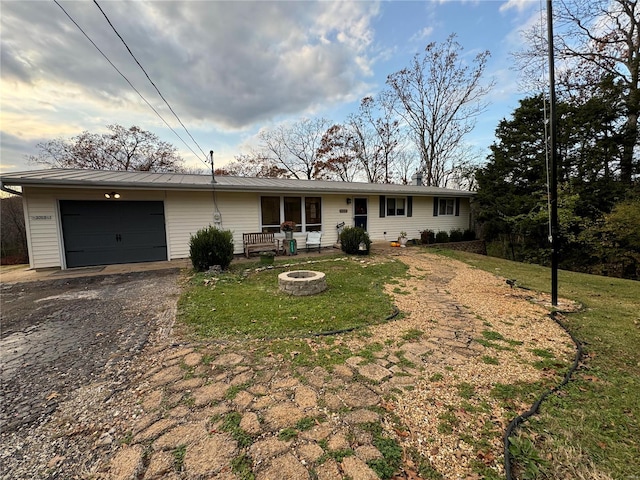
x=147, y=75
x=127, y=80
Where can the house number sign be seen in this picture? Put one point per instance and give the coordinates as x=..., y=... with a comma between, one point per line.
x=41, y=217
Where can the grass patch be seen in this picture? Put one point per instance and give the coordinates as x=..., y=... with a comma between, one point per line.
x=305, y=423
x=391, y=451
x=489, y=360
x=592, y=423
x=287, y=434
x=302, y=353
x=542, y=353
x=231, y=424
x=178, y=457
x=466, y=390
x=413, y=334
x=252, y=306
x=241, y=466
x=234, y=390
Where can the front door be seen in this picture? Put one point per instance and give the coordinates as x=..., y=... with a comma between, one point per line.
x=360, y=212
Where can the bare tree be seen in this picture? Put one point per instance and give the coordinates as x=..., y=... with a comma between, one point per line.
x=594, y=39
x=294, y=148
x=13, y=234
x=378, y=135
x=336, y=155
x=252, y=165
x=440, y=97
x=121, y=149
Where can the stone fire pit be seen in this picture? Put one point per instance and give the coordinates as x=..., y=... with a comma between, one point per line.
x=302, y=282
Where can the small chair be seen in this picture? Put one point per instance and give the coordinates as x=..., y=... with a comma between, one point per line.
x=314, y=239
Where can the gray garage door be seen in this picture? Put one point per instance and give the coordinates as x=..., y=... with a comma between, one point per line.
x=103, y=233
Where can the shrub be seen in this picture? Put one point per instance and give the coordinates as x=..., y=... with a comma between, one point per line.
x=468, y=235
x=350, y=239
x=211, y=246
x=455, y=235
x=442, y=237
x=427, y=237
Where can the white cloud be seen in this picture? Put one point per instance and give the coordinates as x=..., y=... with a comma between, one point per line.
x=519, y=5
x=231, y=64
x=422, y=34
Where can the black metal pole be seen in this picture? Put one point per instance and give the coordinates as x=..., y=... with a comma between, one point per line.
x=553, y=188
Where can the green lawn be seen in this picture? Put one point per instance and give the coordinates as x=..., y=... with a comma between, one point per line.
x=591, y=429
x=237, y=304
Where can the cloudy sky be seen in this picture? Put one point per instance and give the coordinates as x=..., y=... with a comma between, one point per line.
x=228, y=69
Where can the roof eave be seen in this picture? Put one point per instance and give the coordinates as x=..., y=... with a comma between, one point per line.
x=310, y=188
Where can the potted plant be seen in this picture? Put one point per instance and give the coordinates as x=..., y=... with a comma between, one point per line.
x=403, y=239
x=288, y=227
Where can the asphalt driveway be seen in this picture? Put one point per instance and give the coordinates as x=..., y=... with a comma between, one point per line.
x=59, y=334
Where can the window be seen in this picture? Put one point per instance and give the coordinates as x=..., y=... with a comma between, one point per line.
x=396, y=206
x=446, y=206
x=270, y=214
x=293, y=211
x=275, y=210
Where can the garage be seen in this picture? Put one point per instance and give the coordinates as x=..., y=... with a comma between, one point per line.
x=109, y=232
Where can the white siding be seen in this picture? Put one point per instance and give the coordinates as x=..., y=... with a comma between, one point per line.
x=422, y=219
x=188, y=212
x=331, y=216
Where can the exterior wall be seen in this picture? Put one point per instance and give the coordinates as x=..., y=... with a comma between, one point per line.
x=422, y=219
x=187, y=212
x=335, y=210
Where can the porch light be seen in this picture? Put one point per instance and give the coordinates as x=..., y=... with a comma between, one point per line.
x=112, y=195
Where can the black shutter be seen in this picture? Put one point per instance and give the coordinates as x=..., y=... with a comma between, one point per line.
x=435, y=206
x=457, y=207
x=409, y=206
x=383, y=206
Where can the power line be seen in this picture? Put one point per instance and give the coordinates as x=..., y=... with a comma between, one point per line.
x=127, y=80
x=148, y=77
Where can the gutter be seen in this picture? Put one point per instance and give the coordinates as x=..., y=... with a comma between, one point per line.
x=9, y=190
x=221, y=187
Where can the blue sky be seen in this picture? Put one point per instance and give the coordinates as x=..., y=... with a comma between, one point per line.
x=229, y=69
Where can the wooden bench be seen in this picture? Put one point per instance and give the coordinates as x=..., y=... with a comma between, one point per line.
x=260, y=242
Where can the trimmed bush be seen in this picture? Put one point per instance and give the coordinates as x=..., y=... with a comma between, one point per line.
x=427, y=237
x=350, y=239
x=468, y=235
x=442, y=237
x=211, y=246
x=455, y=235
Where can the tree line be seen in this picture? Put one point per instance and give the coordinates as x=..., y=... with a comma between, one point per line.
x=598, y=149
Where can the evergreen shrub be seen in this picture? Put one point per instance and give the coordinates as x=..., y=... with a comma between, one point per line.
x=427, y=237
x=455, y=235
x=442, y=237
x=211, y=246
x=350, y=239
x=468, y=235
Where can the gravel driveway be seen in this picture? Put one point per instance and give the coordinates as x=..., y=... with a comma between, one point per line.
x=60, y=335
